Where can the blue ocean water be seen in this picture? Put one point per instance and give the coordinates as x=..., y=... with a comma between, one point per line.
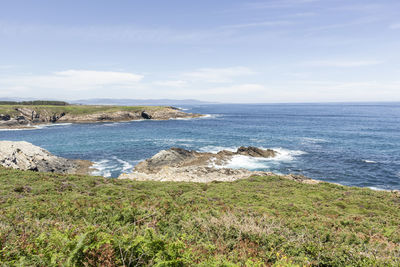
x=350, y=144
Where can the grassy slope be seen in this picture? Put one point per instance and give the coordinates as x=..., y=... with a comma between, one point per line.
x=50, y=219
x=76, y=109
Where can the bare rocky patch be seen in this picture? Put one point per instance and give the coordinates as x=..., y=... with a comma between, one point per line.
x=25, y=156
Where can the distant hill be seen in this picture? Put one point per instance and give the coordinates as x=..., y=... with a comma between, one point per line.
x=121, y=102
x=141, y=102
x=34, y=103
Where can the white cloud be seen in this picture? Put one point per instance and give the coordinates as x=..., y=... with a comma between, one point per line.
x=95, y=78
x=236, y=93
x=69, y=80
x=258, y=24
x=217, y=75
x=236, y=90
x=342, y=63
x=172, y=83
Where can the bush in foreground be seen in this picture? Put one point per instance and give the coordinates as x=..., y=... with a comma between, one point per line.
x=51, y=220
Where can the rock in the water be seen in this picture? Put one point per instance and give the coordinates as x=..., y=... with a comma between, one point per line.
x=178, y=157
x=25, y=156
x=256, y=152
x=177, y=164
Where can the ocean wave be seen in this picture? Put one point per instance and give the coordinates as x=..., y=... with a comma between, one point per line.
x=111, y=124
x=126, y=166
x=106, y=167
x=216, y=149
x=180, y=119
x=36, y=127
x=254, y=163
x=41, y=126
x=246, y=162
x=210, y=116
x=286, y=154
x=18, y=129
x=282, y=153
x=205, y=116
x=103, y=168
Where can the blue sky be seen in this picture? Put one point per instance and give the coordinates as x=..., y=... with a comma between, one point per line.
x=230, y=51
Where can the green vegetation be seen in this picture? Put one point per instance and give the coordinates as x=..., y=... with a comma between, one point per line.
x=52, y=220
x=75, y=109
x=36, y=102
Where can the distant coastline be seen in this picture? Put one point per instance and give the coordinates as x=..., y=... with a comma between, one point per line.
x=22, y=115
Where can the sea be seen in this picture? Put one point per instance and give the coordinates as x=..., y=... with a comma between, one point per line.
x=356, y=144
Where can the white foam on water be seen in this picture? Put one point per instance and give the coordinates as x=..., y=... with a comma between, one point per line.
x=16, y=129
x=205, y=116
x=180, y=119
x=216, y=149
x=111, y=124
x=103, y=168
x=253, y=163
x=368, y=161
x=286, y=154
x=41, y=126
x=209, y=116
x=246, y=162
x=36, y=127
x=126, y=166
x=376, y=188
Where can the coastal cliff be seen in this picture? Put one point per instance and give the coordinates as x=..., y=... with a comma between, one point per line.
x=18, y=116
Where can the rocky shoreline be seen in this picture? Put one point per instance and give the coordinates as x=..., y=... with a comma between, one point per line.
x=180, y=165
x=172, y=165
x=175, y=164
x=26, y=117
x=25, y=156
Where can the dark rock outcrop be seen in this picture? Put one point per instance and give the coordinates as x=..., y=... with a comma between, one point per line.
x=5, y=117
x=256, y=152
x=146, y=115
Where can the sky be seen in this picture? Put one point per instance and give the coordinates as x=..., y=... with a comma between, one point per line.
x=269, y=51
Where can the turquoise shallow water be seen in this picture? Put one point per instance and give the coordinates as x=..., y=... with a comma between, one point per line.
x=351, y=144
